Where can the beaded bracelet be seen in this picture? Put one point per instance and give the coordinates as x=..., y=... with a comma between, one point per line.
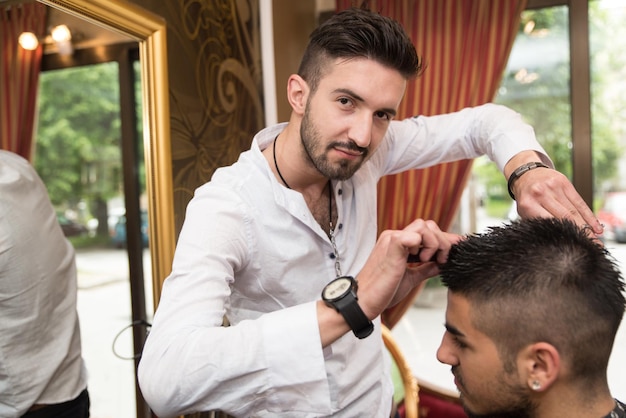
x=521, y=170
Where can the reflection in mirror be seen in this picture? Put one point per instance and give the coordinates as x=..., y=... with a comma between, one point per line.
x=131, y=23
x=78, y=136
x=149, y=30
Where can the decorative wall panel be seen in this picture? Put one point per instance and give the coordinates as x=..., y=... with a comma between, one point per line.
x=216, y=87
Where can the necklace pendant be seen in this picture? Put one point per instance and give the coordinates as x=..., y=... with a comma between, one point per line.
x=331, y=233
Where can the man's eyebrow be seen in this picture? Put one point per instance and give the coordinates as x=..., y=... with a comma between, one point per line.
x=358, y=98
x=453, y=330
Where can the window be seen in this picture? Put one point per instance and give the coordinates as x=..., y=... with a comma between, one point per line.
x=565, y=94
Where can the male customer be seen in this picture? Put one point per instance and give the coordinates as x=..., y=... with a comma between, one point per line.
x=274, y=241
x=42, y=373
x=533, y=309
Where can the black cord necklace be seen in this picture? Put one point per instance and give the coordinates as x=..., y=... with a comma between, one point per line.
x=276, y=164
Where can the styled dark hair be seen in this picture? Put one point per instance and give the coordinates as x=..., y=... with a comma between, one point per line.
x=541, y=280
x=359, y=33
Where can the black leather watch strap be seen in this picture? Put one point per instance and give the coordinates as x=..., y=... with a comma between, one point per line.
x=341, y=294
x=356, y=318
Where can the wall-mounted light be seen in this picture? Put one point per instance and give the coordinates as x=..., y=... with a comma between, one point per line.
x=28, y=41
x=61, y=36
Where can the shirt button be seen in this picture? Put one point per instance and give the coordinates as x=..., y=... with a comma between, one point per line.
x=340, y=226
x=332, y=255
x=339, y=192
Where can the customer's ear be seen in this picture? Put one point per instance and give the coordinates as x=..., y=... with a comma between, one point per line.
x=539, y=365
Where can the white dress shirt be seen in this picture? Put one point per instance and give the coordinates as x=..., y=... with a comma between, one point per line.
x=40, y=352
x=250, y=249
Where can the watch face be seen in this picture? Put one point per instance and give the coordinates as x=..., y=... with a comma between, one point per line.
x=337, y=288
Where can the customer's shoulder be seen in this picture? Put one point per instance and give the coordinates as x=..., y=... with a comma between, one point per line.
x=619, y=411
x=13, y=160
x=15, y=169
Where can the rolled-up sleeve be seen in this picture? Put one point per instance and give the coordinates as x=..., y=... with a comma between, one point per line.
x=490, y=129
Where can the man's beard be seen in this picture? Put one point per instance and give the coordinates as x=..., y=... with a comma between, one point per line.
x=508, y=401
x=517, y=412
x=312, y=144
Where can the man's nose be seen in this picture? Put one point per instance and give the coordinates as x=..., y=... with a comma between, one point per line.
x=361, y=131
x=444, y=352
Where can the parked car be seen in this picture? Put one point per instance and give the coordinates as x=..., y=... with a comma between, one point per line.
x=118, y=233
x=613, y=216
x=71, y=228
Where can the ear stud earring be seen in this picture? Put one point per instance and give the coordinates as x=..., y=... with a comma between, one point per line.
x=535, y=385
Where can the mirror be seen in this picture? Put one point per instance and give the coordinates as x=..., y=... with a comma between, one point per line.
x=149, y=31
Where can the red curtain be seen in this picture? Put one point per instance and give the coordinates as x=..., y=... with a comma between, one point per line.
x=465, y=45
x=19, y=76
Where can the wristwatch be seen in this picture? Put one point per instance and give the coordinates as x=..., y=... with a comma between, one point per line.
x=340, y=294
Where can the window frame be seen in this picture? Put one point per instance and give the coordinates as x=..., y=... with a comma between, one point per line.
x=580, y=92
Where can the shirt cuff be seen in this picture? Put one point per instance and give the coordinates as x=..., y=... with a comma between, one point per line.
x=295, y=358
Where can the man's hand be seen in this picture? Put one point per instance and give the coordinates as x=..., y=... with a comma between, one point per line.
x=384, y=279
x=544, y=192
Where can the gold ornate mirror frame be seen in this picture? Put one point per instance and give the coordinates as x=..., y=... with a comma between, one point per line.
x=149, y=30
